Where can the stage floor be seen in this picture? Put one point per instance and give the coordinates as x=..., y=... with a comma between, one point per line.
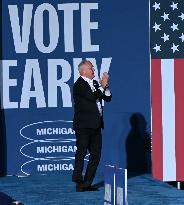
x=59, y=190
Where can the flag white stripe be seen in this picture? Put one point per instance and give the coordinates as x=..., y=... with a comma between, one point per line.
x=168, y=120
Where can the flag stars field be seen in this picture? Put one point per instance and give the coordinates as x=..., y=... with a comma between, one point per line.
x=167, y=29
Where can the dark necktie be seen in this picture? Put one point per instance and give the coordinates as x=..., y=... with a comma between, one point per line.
x=95, y=84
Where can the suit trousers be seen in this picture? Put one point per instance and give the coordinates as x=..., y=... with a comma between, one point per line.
x=90, y=140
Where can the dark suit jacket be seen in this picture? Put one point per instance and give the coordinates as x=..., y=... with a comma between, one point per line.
x=86, y=113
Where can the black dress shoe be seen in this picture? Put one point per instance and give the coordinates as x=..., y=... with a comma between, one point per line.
x=81, y=188
x=91, y=188
x=85, y=184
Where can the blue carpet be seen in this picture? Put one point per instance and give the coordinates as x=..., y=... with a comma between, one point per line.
x=59, y=190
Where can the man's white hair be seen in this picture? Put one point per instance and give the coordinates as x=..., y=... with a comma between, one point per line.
x=83, y=62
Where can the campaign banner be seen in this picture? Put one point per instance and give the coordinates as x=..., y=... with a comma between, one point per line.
x=42, y=44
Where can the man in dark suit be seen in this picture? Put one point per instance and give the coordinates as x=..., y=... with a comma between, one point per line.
x=87, y=123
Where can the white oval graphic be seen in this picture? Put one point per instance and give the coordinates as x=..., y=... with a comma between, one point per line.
x=45, y=166
x=58, y=130
x=48, y=149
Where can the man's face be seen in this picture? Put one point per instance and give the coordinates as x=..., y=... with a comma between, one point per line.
x=89, y=70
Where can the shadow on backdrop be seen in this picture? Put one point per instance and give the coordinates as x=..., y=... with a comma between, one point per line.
x=3, y=147
x=138, y=147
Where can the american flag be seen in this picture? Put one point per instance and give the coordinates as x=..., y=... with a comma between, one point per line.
x=167, y=88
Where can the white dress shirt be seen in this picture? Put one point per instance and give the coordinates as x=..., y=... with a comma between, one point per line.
x=107, y=92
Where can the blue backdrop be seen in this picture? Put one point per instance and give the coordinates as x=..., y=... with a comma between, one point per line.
x=42, y=44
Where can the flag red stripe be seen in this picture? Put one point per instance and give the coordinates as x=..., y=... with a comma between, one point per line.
x=179, y=117
x=157, y=140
